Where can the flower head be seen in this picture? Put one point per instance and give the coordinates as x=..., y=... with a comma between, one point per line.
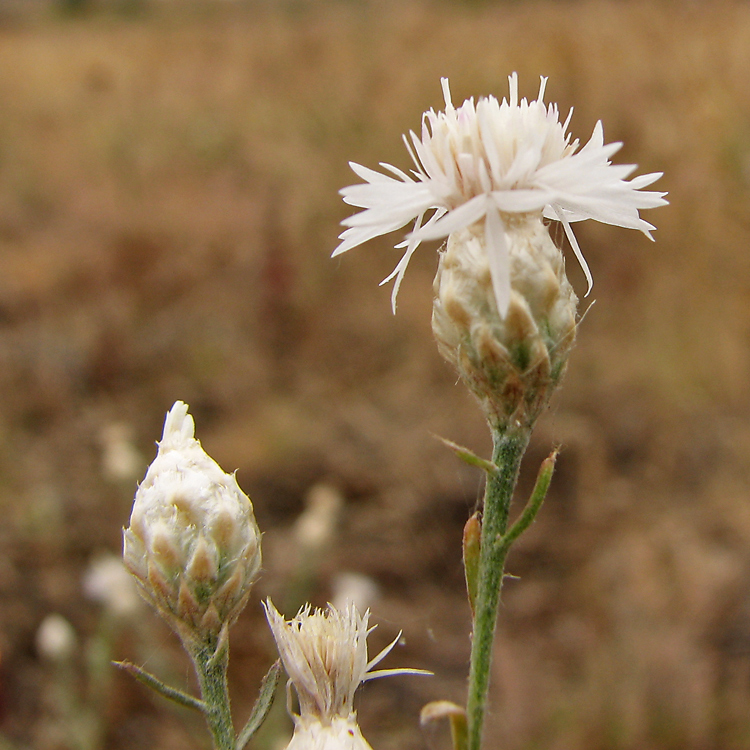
x=325, y=655
x=193, y=545
x=487, y=162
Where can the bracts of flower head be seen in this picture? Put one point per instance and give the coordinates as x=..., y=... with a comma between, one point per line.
x=513, y=362
x=324, y=652
x=193, y=545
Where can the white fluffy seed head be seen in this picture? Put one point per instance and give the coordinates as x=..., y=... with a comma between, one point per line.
x=511, y=362
x=193, y=544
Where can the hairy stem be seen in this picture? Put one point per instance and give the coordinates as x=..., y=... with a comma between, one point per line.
x=508, y=450
x=211, y=668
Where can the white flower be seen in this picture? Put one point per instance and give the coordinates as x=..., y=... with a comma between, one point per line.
x=325, y=655
x=491, y=161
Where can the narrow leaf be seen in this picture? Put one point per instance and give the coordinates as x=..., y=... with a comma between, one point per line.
x=262, y=706
x=543, y=479
x=469, y=457
x=156, y=684
x=472, y=550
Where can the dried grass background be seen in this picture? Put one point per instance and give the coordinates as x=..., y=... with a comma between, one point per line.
x=168, y=203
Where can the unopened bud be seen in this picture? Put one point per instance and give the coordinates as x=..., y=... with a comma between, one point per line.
x=193, y=544
x=512, y=363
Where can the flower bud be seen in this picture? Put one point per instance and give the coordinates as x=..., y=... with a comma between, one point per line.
x=193, y=544
x=512, y=362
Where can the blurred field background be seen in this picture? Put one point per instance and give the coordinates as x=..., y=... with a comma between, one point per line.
x=168, y=203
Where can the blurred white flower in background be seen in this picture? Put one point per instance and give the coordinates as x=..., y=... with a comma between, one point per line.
x=357, y=588
x=316, y=526
x=56, y=639
x=121, y=460
x=107, y=582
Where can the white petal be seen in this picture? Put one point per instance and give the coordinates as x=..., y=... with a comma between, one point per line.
x=412, y=244
x=358, y=236
x=645, y=180
x=497, y=253
x=521, y=201
x=577, y=250
x=455, y=219
x=367, y=174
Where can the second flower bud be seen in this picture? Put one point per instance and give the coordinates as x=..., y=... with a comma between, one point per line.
x=193, y=544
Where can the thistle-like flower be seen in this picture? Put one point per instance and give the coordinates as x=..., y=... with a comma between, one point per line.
x=486, y=165
x=324, y=653
x=193, y=544
x=504, y=313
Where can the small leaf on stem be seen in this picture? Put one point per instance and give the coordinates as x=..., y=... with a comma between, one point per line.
x=543, y=479
x=469, y=457
x=262, y=705
x=472, y=550
x=156, y=684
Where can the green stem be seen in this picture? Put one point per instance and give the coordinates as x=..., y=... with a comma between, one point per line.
x=508, y=451
x=211, y=668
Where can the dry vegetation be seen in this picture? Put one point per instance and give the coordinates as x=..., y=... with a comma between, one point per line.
x=167, y=207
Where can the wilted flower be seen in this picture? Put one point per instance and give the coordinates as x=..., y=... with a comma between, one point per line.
x=193, y=544
x=489, y=163
x=325, y=655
